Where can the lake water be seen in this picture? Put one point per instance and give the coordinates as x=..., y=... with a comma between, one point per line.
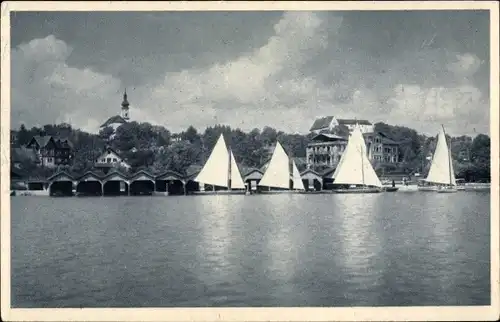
x=387, y=249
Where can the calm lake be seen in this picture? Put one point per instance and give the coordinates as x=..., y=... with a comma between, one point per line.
x=382, y=249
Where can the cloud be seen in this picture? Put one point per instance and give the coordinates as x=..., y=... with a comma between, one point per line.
x=302, y=71
x=465, y=64
x=46, y=90
x=456, y=107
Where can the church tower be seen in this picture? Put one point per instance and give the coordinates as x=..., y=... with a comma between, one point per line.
x=125, y=106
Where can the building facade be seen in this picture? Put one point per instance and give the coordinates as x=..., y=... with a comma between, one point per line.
x=326, y=148
x=51, y=151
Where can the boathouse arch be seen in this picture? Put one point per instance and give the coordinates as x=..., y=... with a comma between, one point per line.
x=89, y=184
x=312, y=180
x=170, y=182
x=252, y=178
x=116, y=184
x=142, y=183
x=61, y=184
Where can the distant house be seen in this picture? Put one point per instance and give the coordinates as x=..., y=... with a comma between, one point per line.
x=325, y=150
x=109, y=159
x=118, y=120
x=51, y=151
x=328, y=123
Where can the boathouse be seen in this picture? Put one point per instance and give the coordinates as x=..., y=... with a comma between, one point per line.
x=90, y=184
x=61, y=184
x=170, y=183
x=252, y=178
x=115, y=184
x=142, y=183
x=312, y=180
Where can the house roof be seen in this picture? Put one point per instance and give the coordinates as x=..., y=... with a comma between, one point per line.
x=321, y=123
x=385, y=139
x=353, y=121
x=113, y=120
x=60, y=142
x=329, y=137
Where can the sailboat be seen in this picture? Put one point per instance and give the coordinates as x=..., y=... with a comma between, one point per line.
x=441, y=175
x=221, y=170
x=354, y=169
x=282, y=173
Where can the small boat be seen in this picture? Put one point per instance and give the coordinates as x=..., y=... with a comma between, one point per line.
x=354, y=169
x=282, y=174
x=221, y=171
x=441, y=173
x=391, y=189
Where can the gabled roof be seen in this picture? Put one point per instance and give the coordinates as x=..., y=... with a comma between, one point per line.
x=321, y=123
x=108, y=149
x=41, y=140
x=353, y=121
x=115, y=173
x=113, y=120
x=91, y=173
x=60, y=174
x=251, y=170
x=329, y=137
x=385, y=138
x=310, y=171
x=142, y=172
x=170, y=173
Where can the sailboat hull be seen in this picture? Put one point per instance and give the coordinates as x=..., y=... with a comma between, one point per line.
x=427, y=189
x=280, y=192
x=219, y=192
x=447, y=190
x=358, y=190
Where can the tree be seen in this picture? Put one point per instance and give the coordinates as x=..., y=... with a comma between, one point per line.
x=106, y=133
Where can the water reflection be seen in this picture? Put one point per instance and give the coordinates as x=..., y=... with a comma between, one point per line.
x=359, y=245
x=280, y=243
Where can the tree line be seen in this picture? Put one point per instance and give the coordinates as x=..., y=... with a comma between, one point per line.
x=156, y=149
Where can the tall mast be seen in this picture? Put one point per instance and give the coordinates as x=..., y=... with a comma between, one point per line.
x=449, y=153
x=229, y=170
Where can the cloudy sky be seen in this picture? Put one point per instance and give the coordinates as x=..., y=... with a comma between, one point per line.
x=251, y=69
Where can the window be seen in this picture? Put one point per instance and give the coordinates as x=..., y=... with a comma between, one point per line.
x=49, y=160
x=108, y=160
x=114, y=160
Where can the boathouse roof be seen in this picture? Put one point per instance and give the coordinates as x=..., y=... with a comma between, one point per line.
x=91, y=174
x=142, y=175
x=115, y=173
x=170, y=175
x=61, y=175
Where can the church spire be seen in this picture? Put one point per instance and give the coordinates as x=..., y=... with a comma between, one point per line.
x=125, y=105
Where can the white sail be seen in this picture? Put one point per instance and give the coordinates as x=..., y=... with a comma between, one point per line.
x=236, y=180
x=277, y=174
x=354, y=167
x=441, y=170
x=339, y=165
x=216, y=169
x=296, y=178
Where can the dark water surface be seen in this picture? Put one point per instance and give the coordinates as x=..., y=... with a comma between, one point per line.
x=266, y=250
